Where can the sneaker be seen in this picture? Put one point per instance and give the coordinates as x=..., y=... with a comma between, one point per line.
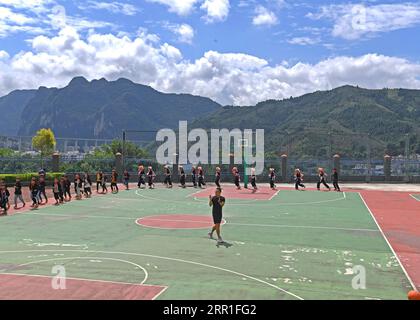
x=219, y=241
x=210, y=235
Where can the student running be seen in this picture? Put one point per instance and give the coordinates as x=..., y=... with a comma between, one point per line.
x=87, y=185
x=321, y=179
x=194, y=176
x=98, y=180
x=168, y=180
x=182, y=176
x=34, y=188
x=151, y=178
x=41, y=190
x=298, y=179
x=57, y=191
x=201, y=182
x=18, y=194
x=4, y=198
x=272, y=176
x=236, y=177
x=217, y=177
x=335, y=180
x=126, y=179
x=253, y=180
x=141, y=177
x=114, y=180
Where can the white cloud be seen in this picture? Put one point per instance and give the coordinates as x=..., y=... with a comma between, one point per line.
x=40, y=17
x=304, y=41
x=229, y=78
x=180, y=7
x=353, y=21
x=264, y=17
x=113, y=7
x=184, y=32
x=217, y=10
x=4, y=55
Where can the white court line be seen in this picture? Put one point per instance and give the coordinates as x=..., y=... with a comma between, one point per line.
x=274, y=195
x=169, y=259
x=412, y=196
x=192, y=221
x=76, y=215
x=303, y=227
x=146, y=274
x=388, y=243
x=243, y=203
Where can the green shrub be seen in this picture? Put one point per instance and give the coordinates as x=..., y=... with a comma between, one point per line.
x=26, y=177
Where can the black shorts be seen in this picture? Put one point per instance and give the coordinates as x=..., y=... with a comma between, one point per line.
x=217, y=218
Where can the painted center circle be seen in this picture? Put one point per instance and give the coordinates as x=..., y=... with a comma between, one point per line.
x=177, y=221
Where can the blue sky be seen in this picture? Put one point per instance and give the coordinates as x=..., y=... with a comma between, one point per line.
x=234, y=51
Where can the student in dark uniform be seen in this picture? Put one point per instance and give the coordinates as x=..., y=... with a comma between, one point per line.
x=126, y=177
x=201, y=182
x=57, y=191
x=335, y=180
x=217, y=202
x=298, y=179
x=78, y=185
x=87, y=185
x=141, y=176
x=321, y=179
x=194, y=176
x=114, y=181
x=236, y=177
x=151, y=178
x=62, y=185
x=18, y=194
x=254, y=180
x=4, y=198
x=98, y=180
x=272, y=176
x=67, y=188
x=168, y=178
x=103, y=183
x=217, y=177
x=182, y=176
x=34, y=189
x=42, y=186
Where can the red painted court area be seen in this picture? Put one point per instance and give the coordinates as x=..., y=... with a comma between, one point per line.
x=230, y=192
x=176, y=221
x=398, y=214
x=26, y=287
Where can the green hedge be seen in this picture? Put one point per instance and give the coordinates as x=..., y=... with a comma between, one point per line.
x=26, y=177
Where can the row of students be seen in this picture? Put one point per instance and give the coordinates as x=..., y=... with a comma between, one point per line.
x=321, y=179
x=197, y=175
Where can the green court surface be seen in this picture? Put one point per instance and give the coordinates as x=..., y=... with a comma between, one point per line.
x=298, y=245
x=416, y=196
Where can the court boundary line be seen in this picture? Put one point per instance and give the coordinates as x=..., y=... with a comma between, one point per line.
x=388, y=243
x=168, y=259
x=413, y=196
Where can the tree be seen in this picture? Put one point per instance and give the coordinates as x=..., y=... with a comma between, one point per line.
x=44, y=142
x=109, y=150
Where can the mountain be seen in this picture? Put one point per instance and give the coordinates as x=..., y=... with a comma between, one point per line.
x=102, y=109
x=351, y=121
x=11, y=109
x=347, y=120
